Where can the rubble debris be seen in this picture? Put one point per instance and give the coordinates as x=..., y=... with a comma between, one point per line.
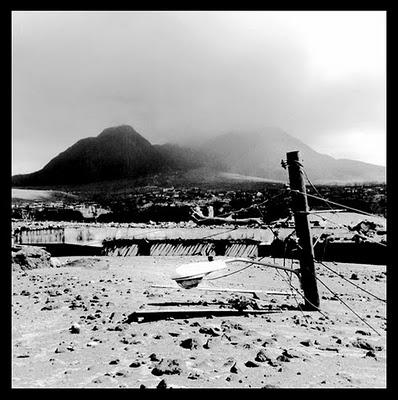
x=167, y=367
x=29, y=257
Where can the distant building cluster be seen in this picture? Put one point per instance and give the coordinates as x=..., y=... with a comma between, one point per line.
x=170, y=204
x=57, y=211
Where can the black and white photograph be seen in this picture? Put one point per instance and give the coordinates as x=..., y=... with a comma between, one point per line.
x=198, y=199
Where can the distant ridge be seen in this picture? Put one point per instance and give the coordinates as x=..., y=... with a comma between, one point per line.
x=121, y=152
x=259, y=154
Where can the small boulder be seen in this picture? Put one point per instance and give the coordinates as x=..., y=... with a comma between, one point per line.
x=370, y=353
x=60, y=349
x=162, y=385
x=251, y=364
x=75, y=328
x=307, y=342
x=194, y=375
x=135, y=364
x=208, y=331
x=283, y=358
x=190, y=343
x=261, y=356
x=167, y=367
x=234, y=369
x=361, y=332
x=154, y=357
x=363, y=344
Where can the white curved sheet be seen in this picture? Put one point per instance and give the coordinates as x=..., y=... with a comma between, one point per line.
x=199, y=268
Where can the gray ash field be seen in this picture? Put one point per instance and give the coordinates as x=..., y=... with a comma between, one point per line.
x=68, y=329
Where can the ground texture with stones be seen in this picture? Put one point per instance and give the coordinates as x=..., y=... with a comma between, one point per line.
x=69, y=331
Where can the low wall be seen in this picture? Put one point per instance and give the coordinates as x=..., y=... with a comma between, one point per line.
x=181, y=247
x=53, y=239
x=67, y=249
x=338, y=251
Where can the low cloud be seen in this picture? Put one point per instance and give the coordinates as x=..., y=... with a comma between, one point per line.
x=184, y=76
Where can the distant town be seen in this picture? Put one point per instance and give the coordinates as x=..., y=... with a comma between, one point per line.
x=153, y=203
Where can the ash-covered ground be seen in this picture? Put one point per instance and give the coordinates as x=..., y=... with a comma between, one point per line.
x=68, y=329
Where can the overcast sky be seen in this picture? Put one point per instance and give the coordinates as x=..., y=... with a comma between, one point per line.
x=320, y=76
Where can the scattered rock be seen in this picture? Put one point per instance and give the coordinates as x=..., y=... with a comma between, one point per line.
x=167, y=367
x=75, y=328
x=370, y=353
x=269, y=342
x=291, y=353
x=261, y=356
x=230, y=361
x=208, y=331
x=243, y=303
x=135, y=364
x=354, y=277
x=117, y=328
x=329, y=348
x=60, y=349
x=233, y=339
x=114, y=362
x=251, y=364
x=283, y=358
x=154, y=357
x=162, y=385
x=234, y=369
x=361, y=332
x=307, y=342
x=190, y=343
x=194, y=375
x=49, y=307
x=363, y=344
x=269, y=356
x=123, y=373
x=29, y=257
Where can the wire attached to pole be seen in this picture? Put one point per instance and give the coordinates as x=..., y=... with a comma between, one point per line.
x=345, y=304
x=351, y=283
x=337, y=204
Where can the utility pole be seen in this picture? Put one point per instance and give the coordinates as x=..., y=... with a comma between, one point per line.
x=303, y=231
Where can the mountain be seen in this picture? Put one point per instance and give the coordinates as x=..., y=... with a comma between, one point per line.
x=122, y=153
x=259, y=154
x=117, y=152
x=184, y=158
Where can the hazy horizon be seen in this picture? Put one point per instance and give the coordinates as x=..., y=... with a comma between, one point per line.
x=180, y=76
